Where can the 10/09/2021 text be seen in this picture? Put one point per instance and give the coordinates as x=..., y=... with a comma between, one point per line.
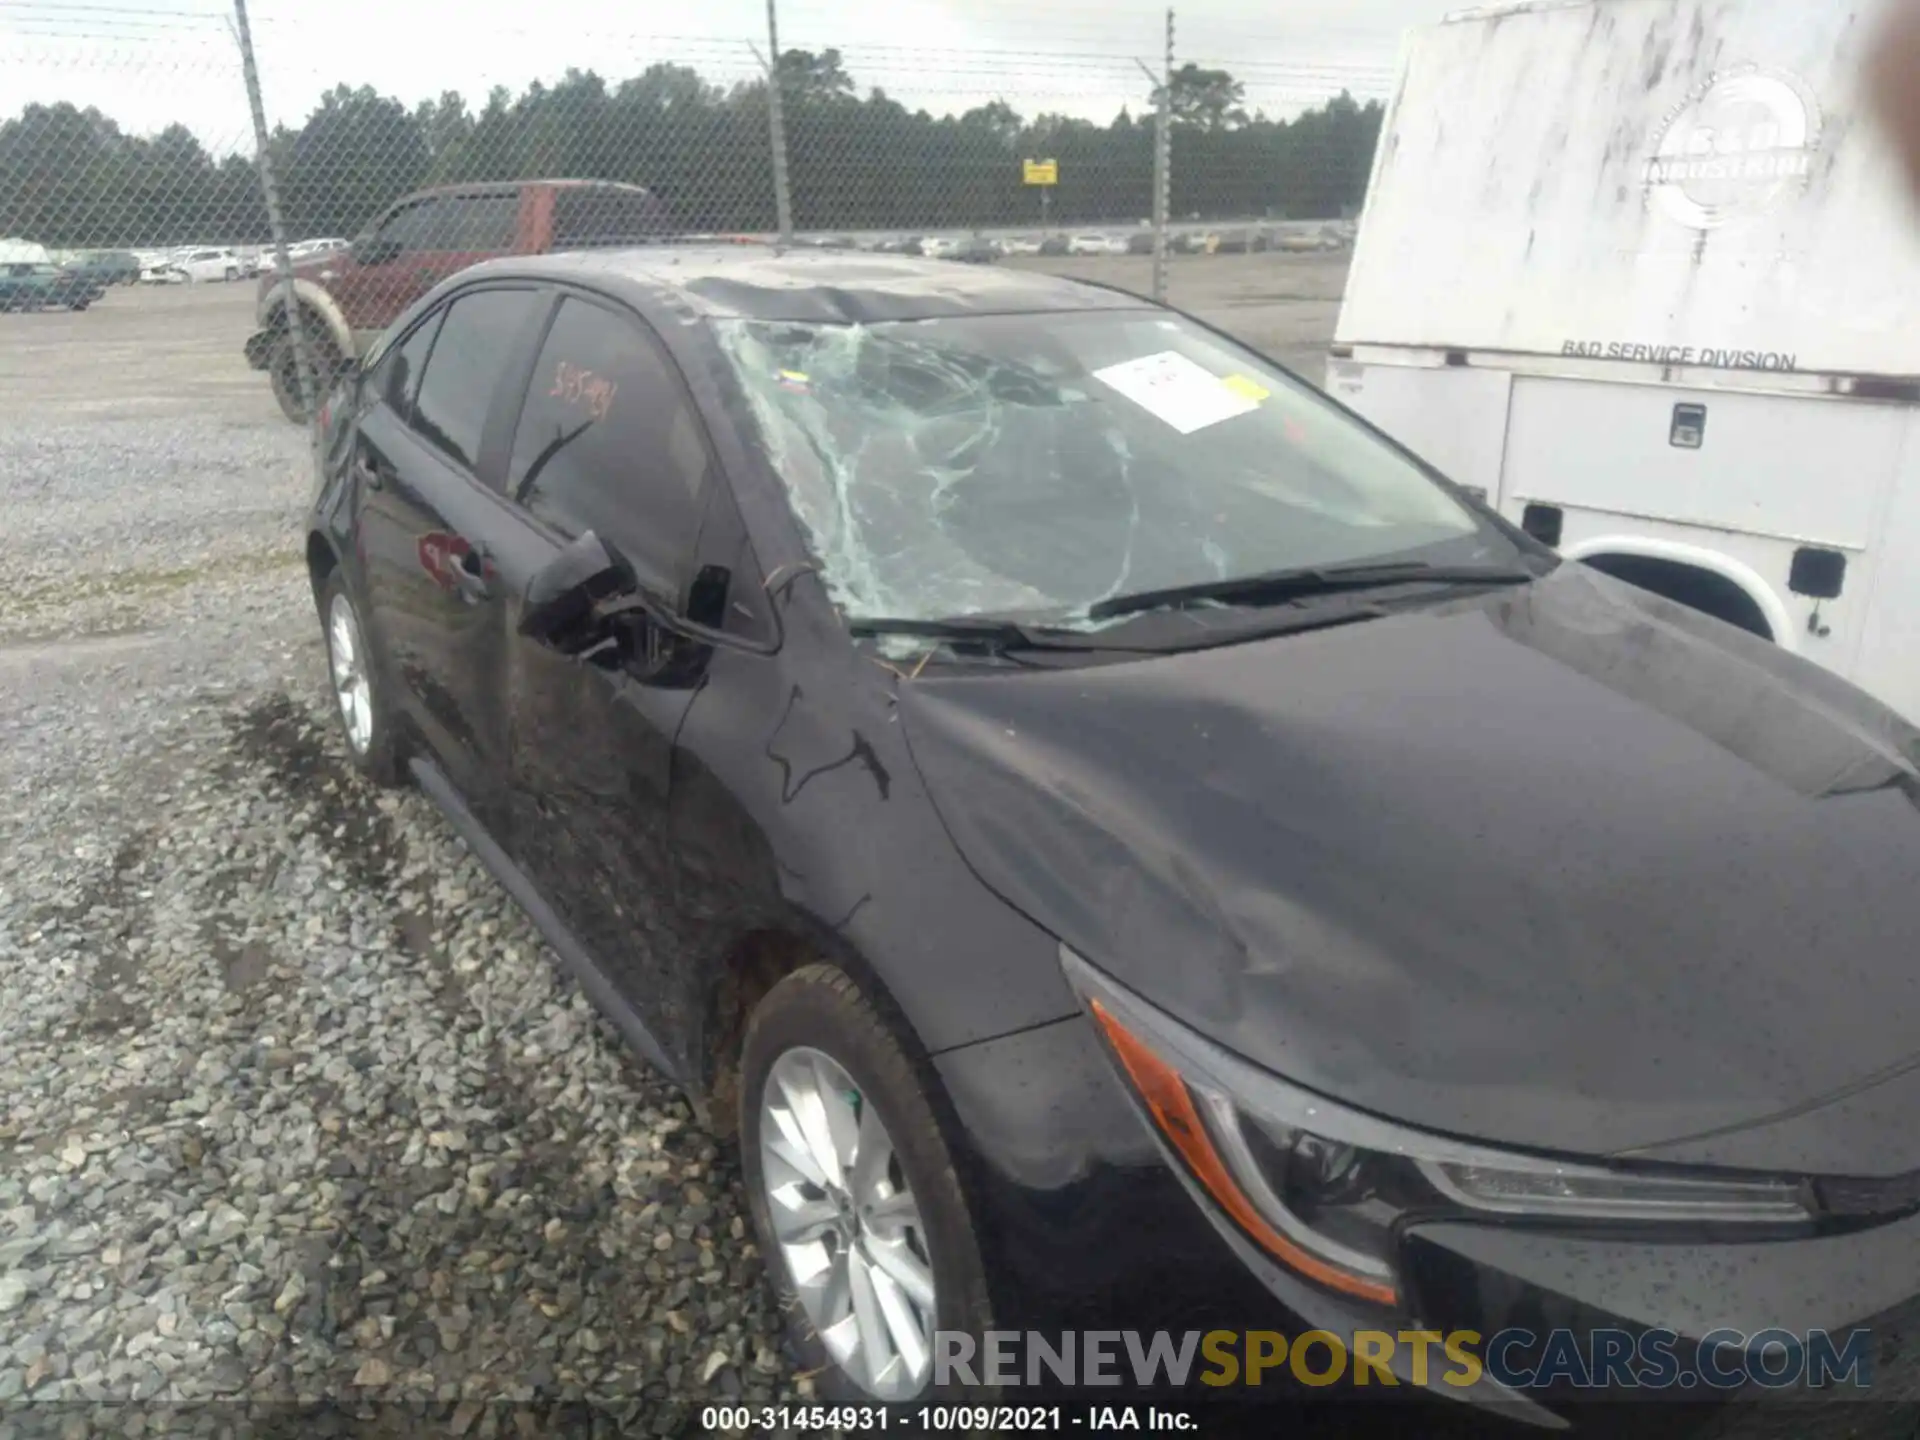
x=930, y=1418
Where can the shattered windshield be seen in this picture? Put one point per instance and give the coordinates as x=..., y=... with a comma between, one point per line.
x=1036, y=465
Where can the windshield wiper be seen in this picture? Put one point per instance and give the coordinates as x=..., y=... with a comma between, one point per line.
x=1277, y=587
x=998, y=635
x=984, y=630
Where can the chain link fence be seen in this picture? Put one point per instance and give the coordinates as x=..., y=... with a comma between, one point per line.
x=155, y=154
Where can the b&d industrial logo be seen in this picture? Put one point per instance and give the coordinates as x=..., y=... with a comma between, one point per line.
x=1740, y=143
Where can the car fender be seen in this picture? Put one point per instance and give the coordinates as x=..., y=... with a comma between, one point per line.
x=315, y=298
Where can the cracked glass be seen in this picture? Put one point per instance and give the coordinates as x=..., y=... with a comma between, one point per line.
x=1035, y=465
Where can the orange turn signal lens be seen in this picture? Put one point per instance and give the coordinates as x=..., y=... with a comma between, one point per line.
x=1168, y=1100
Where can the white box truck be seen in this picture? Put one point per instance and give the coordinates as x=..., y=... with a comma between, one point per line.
x=1643, y=273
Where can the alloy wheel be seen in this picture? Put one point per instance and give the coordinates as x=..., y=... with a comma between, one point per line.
x=352, y=686
x=847, y=1224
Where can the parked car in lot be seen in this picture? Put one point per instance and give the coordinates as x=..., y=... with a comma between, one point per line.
x=1175, y=854
x=1312, y=239
x=939, y=247
x=153, y=263
x=1021, y=245
x=826, y=242
x=16, y=251
x=210, y=264
x=109, y=267
x=28, y=286
x=1095, y=244
x=976, y=250
x=347, y=297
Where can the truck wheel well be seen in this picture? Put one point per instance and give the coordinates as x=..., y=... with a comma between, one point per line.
x=310, y=320
x=1689, y=585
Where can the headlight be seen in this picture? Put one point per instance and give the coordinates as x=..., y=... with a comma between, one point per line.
x=1324, y=1189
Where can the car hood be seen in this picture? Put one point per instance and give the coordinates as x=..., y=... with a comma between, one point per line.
x=1564, y=866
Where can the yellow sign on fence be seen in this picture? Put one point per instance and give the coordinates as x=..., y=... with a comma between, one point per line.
x=1041, y=172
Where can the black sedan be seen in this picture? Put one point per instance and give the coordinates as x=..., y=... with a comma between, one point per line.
x=1124, y=844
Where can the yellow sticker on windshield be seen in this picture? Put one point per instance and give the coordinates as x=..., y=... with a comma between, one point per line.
x=1251, y=389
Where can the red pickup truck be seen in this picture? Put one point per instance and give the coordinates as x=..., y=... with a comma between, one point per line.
x=347, y=297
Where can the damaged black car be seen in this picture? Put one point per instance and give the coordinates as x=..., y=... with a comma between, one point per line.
x=1123, y=844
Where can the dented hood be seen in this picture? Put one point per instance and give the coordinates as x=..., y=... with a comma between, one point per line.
x=1565, y=867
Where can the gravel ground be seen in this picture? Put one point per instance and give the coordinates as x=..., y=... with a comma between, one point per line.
x=293, y=1105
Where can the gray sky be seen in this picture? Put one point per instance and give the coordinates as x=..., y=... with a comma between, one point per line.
x=149, y=62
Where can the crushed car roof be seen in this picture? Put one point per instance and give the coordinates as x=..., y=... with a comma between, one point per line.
x=756, y=282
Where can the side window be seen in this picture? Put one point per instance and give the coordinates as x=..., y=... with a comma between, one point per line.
x=484, y=223
x=473, y=348
x=589, y=215
x=397, y=376
x=609, y=441
x=411, y=228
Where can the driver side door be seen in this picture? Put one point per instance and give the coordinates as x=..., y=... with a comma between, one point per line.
x=607, y=441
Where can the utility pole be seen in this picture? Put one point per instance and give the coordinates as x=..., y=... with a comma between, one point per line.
x=307, y=376
x=777, y=132
x=1162, y=159
x=1163, y=167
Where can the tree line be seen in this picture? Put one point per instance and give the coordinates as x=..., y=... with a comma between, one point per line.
x=71, y=178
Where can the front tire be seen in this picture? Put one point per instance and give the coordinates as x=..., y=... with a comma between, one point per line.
x=359, y=698
x=869, y=1241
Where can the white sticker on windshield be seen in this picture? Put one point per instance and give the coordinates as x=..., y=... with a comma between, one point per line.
x=1173, y=388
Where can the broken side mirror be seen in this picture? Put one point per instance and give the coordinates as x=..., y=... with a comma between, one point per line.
x=562, y=607
x=587, y=603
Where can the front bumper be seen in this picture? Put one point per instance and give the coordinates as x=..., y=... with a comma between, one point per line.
x=1087, y=1228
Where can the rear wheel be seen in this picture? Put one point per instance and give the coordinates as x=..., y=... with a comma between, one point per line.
x=359, y=699
x=867, y=1233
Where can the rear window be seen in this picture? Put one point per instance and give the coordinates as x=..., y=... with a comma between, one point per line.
x=469, y=355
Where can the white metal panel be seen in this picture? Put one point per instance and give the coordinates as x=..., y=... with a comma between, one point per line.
x=1889, y=657
x=1809, y=470
x=1685, y=181
x=1455, y=420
